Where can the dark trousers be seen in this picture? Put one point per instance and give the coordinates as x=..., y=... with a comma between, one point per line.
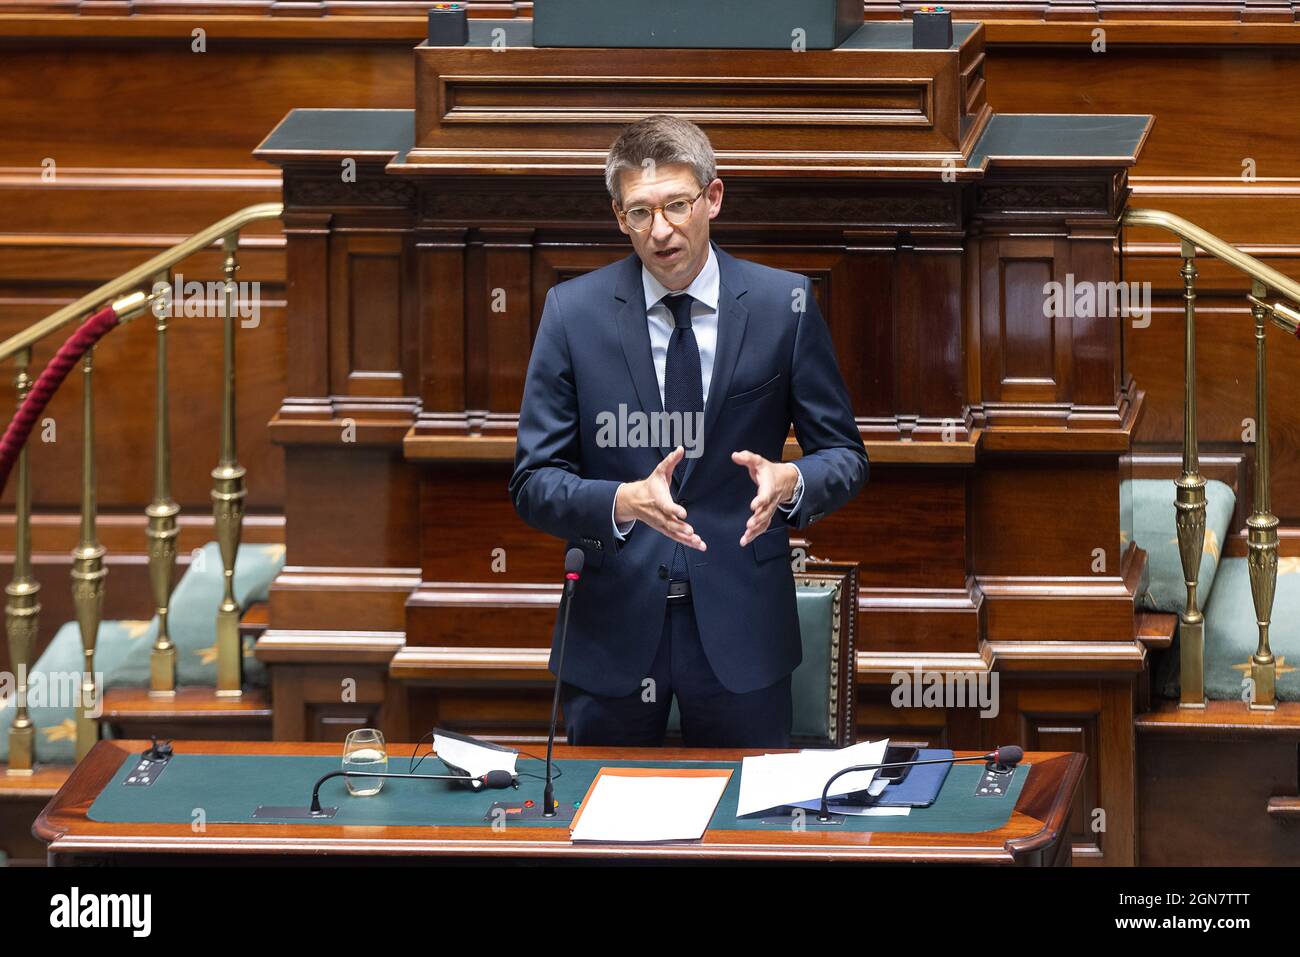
x=712, y=716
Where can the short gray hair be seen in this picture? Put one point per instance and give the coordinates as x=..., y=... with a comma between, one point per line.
x=661, y=139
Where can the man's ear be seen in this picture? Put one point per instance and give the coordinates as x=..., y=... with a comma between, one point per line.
x=715, y=198
x=621, y=228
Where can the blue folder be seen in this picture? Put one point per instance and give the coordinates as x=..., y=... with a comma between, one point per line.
x=922, y=784
x=918, y=789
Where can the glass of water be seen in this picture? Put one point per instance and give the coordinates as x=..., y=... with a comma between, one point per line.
x=365, y=750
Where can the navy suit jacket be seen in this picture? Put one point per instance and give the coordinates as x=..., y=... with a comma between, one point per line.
x=773, y=366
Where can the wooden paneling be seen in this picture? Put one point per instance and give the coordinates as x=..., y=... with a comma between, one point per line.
x=1219, y=156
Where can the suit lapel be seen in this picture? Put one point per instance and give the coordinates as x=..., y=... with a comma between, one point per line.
x=634, y=333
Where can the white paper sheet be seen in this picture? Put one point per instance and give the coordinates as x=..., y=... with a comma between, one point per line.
x=475, y=759
x=647, y=809
x=774, y=780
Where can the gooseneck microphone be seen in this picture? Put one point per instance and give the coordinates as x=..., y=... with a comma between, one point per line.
x=493, y=779
x=574, y=559
x=1004, y=760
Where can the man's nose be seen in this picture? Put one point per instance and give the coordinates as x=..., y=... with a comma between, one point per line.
x=662, y=230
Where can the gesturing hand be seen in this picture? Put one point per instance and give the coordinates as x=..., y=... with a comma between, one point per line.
x=650, y=500
x=776, y=482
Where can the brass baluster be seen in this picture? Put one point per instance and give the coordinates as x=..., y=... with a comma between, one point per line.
x=228, y=499
x=1262, y=524
x=1190, y=504
x=162, y=512
x=23, y=607
x=88, y=570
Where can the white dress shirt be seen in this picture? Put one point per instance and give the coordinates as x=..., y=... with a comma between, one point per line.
x=704, y=323
x=704, y=320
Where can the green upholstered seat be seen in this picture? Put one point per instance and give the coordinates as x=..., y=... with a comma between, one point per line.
x=1231, y=634
x=122, y=648
x=819, y=690
x=194, y=622
x=1156, y=532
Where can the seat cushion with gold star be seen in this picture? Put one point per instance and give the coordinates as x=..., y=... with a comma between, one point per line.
x=122, y=648
x=193, y=622
x=1155, y=531
x=1231, y=634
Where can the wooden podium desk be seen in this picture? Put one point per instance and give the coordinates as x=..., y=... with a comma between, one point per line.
x=244, y=774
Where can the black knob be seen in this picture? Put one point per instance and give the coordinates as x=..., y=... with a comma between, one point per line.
x=663, y=571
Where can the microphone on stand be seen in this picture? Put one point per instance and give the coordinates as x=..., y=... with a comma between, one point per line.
x=550, y=810
x=574, y=559
x=493, y=779
x=1003, y=759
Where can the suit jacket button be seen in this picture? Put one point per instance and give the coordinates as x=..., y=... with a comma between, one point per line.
x=663, y=571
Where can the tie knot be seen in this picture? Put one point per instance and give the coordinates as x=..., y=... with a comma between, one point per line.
x=679, y=304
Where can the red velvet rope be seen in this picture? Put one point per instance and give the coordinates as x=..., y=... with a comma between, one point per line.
x=51, y=377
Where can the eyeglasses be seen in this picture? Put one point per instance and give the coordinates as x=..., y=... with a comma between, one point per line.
x=677, y=212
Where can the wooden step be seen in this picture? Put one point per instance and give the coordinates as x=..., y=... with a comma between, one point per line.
x=1156, y=629
x=196, y=713
x=255, y=620
x=1219, y=719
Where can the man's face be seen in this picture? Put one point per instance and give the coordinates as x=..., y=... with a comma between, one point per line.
x=673, y=254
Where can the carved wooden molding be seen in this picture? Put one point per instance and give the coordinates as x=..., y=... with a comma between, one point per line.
x=371, y=188
x=1040, y=197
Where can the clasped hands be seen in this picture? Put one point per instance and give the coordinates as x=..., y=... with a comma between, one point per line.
x=650, y=500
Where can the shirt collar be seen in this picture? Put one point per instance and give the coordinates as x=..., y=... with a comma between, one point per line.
x=703, y=288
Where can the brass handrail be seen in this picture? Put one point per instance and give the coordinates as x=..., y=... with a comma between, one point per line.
x=1216, y=247
x=141, y=275
x=1190, y=502
x=22, y=608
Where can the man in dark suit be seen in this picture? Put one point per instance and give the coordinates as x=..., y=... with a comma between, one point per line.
x=659, y=395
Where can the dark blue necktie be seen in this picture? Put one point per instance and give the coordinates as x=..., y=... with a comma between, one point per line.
x=683, y=381
x=683, y=388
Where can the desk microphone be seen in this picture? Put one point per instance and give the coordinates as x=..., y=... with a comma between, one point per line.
x=1003, y=759
x=493, y=779
x=574, y=559
x=573, y=562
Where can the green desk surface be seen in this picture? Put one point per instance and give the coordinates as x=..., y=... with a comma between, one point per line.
x=227, y=788
x=1009, y=139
